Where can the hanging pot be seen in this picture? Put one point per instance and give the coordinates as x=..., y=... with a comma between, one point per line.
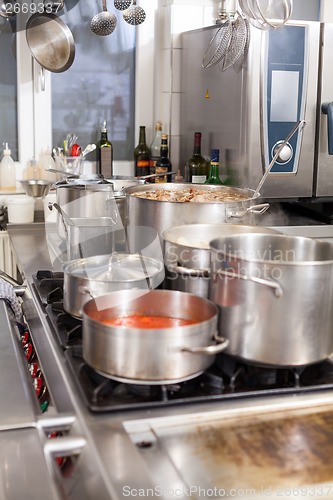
x=51, y=42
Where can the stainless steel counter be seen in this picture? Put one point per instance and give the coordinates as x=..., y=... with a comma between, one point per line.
x=167, y=453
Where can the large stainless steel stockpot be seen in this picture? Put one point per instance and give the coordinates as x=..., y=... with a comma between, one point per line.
x=150, y=355
x=94, y=276
x=160, y=215
x=187, y=253
x=275, y=295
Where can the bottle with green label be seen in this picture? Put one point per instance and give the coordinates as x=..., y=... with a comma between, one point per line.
x=196, y=167
x=142, y=155
x=214, y=172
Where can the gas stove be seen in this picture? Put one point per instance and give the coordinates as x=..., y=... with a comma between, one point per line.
x=227, y=379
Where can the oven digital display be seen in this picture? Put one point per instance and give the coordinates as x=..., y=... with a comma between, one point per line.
x=284, y=96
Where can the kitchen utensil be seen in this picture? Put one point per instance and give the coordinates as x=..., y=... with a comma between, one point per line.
x=273, y=12
x=50, y=41
x=8, y=8
x=218, y=44
x=275, y=295
x=150, y=356
x=134, y=15
x=37, y=188
x=150, y=176
x=298, y=125
x=104, y=23
x=72, y=165
x=65, y=174
x=67, y=220
x=237, y=43
x=187, y=253
x=122, y=4
x=154, y=216
x=98, y=275
x=88, y=149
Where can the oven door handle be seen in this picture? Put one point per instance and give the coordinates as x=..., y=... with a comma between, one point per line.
x=327, y=109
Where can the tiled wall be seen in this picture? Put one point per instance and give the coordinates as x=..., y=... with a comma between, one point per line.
x=176, y=16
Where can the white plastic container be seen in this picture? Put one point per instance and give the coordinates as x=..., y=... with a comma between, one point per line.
x=20, y=209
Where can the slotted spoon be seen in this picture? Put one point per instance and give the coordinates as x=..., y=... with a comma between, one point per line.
x=104, y=23
x=134, y=15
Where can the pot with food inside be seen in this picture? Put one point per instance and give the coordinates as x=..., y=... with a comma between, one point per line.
x=154, y=337
x=171, y=205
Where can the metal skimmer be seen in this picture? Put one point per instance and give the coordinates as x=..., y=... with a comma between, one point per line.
x=104, y=23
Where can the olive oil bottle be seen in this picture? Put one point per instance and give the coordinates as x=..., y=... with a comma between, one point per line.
x=104, y=154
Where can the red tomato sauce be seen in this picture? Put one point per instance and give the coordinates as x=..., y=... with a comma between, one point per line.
x=139, y=321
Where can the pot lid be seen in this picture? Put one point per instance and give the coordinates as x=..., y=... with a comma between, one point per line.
x=114, y=267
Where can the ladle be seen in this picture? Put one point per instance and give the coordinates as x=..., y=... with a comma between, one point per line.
x=7, y=8
x=134, y=15
x=275, y=157
x=150, y=176
x=104, y=23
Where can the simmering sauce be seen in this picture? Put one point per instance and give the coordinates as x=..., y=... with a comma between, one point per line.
x=140, y=321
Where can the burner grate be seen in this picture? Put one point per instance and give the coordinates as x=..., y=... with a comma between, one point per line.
x=228, y=378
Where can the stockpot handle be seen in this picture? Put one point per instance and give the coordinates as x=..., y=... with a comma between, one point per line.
x=221, y=345
x=199, y=273
x=262, y=281
x=253, y=209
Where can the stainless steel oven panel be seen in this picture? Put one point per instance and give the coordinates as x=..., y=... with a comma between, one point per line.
x=229, y=109
x=23, y=469
x=324, y=181
x=18, y=406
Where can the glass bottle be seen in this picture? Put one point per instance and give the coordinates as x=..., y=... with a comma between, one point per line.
x=163, y=164
x=155, y=147
x=196, y=167
x=142, y=155
x=214, y=175
x=104, y=154
x=7, y=171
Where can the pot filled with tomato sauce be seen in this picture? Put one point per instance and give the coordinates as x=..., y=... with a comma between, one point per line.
x=150, y=337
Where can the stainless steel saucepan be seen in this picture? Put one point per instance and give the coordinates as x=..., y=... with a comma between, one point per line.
x=150, y=355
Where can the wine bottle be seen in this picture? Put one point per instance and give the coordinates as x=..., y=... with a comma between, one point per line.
x=196, y=167
x=214, y=174
x=104, y=154
x=142, y=155
x=163, y=164
x=155, y=147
